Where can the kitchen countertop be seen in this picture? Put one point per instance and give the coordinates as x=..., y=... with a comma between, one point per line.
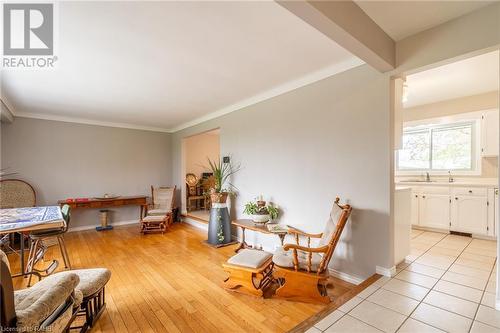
x=484, y=182
x=401, y=187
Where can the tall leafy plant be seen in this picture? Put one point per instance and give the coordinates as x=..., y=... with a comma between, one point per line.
x=222, y=172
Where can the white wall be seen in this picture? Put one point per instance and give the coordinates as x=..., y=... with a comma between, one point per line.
x=67, y=160
x=450, y=107
x=198, y=149
x=303, y=148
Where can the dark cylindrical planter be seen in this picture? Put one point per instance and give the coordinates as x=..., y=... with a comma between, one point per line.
x=219, y=225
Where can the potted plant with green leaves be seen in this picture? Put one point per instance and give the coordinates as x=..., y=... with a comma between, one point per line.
x=260, y=211
x=222, y=186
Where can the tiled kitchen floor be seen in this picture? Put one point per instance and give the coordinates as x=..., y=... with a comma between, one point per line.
x=448, y=286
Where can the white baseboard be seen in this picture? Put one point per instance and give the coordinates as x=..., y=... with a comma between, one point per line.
x=389, y=272
x=346, y=277
x=89, y=227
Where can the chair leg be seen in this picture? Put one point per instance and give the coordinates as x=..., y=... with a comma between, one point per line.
x=64, y=252
x=32, y=260
x=31, y=254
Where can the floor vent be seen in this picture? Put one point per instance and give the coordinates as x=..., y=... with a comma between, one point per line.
x=460, y=233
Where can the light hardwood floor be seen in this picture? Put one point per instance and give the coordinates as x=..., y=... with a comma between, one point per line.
x=172, y=283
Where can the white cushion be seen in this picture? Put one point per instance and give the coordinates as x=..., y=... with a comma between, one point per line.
x=158, y=211
x=162, y=197
x=331, y=225
x=35, y=304
x=250, y=258
x=284, y=258
x=154, y=218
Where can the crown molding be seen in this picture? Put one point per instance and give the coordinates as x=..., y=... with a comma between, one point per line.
x=273, y=92
x=89, y=122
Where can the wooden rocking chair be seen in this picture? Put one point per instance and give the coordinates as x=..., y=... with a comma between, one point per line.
x=159, y=216
x=302, y=272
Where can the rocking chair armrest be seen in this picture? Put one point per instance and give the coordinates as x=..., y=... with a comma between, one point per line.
x=321, y=249
x=293, y=230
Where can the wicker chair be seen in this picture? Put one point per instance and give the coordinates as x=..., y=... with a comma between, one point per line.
x=15, y=193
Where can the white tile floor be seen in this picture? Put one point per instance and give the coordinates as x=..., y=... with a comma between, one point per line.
x=447, y=285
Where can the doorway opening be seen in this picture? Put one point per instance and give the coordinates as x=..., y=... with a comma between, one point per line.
x=197, y=150
x=446, y=149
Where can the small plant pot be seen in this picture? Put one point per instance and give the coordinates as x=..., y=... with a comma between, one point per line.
x=260, y=218
x=219, y=197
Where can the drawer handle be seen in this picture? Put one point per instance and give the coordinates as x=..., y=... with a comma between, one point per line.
x=456, y=198
x=423, y=196
x=470, y=191
x=416, y=195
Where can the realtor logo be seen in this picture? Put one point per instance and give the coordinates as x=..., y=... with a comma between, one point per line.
x=28, y=35
x=28, y=29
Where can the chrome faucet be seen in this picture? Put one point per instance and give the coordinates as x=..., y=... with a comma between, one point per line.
x=427, y=177
x=450, y=178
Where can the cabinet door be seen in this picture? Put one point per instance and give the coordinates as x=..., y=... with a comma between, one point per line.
x=414, y=208
x=434, y=211
x=489, y=133
x=469, y=214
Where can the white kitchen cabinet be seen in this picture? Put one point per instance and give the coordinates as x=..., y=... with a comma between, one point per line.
x=468, y=209
x=414, y=207
x=434, y=210
x=489, y=133
x=469, y=213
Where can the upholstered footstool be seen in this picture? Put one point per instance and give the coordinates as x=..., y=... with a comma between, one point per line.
x=91, y=291
x=155, y=223
x=250, y=272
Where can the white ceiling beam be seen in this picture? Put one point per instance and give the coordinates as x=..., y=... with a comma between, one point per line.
x=475, y=33
x=349, y=26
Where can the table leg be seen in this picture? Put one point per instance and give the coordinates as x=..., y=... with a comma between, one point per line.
x=22, y=254
x=282, y=238
x=242, y=244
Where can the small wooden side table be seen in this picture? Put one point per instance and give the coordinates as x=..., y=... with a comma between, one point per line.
x=251, y=225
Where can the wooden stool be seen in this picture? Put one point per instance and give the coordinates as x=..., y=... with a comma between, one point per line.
x=250, y=272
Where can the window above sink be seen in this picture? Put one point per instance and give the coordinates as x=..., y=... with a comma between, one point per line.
x=437, y=147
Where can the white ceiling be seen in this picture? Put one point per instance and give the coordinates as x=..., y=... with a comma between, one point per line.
x=401, y=18
x=467, y=77
x=162, y=65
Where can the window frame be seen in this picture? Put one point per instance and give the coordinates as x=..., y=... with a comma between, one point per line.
x=438, y=124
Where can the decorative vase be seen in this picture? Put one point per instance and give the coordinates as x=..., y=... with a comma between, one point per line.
x=219, y=225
